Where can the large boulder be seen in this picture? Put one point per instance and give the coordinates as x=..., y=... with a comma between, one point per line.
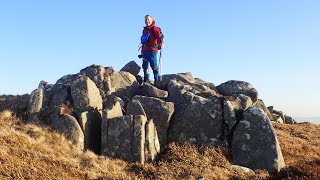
x=152, y=91
x=197, y=119
x=96, y=74
x=255, y=143
x=66, y=80
x=61, y=91
x=289, y=120
x=85, y=94
x=70, y=128
x=166, y=78
x=112, y=107
x=60, y=95
x=125, y=85
x=132, y=67
x=35, y=103
x=124, y=137
x=116, y=137
x=238, y=87
x=134, y=107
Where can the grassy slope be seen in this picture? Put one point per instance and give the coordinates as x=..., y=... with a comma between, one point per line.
x=33, y=152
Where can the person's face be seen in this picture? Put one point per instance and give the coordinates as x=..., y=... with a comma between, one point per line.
x=148, y=20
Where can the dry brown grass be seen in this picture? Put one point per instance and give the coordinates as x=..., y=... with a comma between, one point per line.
x=33, y=152
x=190, y=162
x=300, y=145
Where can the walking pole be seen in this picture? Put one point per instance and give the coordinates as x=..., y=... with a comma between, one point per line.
x=160, y=67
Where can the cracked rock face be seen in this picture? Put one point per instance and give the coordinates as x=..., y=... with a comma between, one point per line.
x=255, y=143
x=160, y=113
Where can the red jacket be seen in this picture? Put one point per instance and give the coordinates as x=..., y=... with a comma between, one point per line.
x=152, y=40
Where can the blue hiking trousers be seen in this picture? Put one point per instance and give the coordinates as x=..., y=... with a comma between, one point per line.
x=150, y=57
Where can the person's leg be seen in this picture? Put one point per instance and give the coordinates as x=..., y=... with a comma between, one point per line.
x=145, y=64
x=154, y=65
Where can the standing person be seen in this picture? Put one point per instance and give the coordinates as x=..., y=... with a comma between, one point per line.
x=152, y=41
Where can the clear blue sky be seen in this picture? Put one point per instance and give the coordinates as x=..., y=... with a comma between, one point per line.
x=274, y=45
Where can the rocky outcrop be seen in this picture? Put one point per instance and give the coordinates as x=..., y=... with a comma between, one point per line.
x=111, y=113
x=280, y=117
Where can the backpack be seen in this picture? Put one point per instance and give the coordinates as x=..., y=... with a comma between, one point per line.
x=161, y=37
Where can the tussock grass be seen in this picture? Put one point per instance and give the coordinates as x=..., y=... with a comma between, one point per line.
x=29, y=151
